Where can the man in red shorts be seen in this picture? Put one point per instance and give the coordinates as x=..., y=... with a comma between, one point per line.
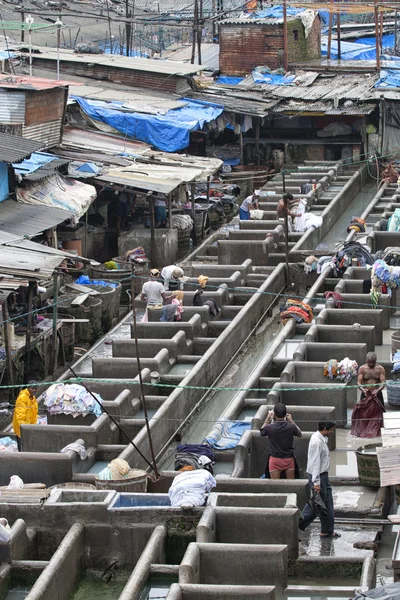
x=280, y=429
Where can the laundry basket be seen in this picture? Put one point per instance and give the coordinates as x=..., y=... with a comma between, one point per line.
x=393, y=390
x=135, y=482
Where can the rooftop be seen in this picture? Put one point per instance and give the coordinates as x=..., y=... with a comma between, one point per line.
x=164, y=67
x=14, y=148
x=24, y=82
x=26, y=220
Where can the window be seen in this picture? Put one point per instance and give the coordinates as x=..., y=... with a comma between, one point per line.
x=295, y=34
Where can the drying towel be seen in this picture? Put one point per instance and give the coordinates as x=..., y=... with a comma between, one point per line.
x=226, y=434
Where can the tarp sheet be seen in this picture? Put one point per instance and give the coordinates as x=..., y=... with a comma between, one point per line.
x=34, y=162
x=387, y=41
x=230, y=80
x=272, y=79
x=169, y=132
x=349, y=50
x=389, y=78
x=226, y=434
x=276, y=12
x=391, y=591
x=57, y=192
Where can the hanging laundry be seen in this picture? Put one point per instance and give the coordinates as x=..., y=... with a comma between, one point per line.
x=394, y=221
x=338, y=298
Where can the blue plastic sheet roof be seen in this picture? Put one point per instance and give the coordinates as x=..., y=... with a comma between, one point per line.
x=230, y=80
x=272, y=79
x=389, y=78
x=35, y=162
x=169, y=132
x=361, y=49
x=276, y=12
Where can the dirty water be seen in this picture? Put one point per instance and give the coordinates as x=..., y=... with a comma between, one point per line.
x=223, y=467
x=92, y=587
x=18, y=593
x=311, y=543
x=181, y=369
x=98, y=466
x=157, y=587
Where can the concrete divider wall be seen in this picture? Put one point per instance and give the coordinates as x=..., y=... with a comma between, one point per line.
x=208, y=369
x=333, y=334
x=232, y=251
x=60, y=576
x=188, y=591
x=363, y=302
x=366, y=317
x=325, y=351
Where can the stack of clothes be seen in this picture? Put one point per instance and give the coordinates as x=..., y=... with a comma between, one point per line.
x=137, y=255
x=297, y=310
x=384, y=278
x=187, y=456
x=357, y=225
x=344, y=370
x=71, y=399
x=346, y=253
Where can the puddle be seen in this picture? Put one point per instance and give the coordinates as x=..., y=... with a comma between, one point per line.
x=343, y=463
x=157, y=588
x=311, y=544
x=247, y=413
x=140, y=413
x=287, y=349
x=223, y=467
x=92, y=587
x=181, y=369
x=18, y=593
x=98, y=466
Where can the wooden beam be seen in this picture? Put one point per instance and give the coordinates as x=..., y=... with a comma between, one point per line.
x=7, y=345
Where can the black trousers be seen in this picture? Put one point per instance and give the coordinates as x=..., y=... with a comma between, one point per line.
x=19, y=443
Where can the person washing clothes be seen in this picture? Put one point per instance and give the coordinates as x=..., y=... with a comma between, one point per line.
x=190, y=488
x=248, y=203
x=26, y=410
x=173, y=277
x=287, y=205
x=153, y=293
x=318, y=462
x=372, y=378
x=280, y=429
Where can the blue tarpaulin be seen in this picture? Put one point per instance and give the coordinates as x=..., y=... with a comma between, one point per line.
x=230, y=80
x=387, y=41
x=272, y=79
x=389, y=78
x=276, y=12
x=169, y=132
x=349, y=50
x=34, y=162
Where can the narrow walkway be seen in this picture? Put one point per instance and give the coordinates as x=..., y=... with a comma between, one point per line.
x=338, y=233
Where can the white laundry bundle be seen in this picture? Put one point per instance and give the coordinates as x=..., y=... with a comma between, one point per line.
x=256, y=214
x=191, y=487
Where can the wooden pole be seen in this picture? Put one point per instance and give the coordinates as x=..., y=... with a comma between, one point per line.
x=169, y=211
x=22, y=21
x=286, y=227
x=257, y=140
x=194, y=31
x=381, y=32
x=208, y=188
x=395, y=32
x=32, y=285
x=7, y=345
x=285, y=38
x=199, y=32
x=127, y=27
x=378, y=55
x=55, y=318
x=193, y=194
x=328, y=54
x=153, y=249
x=339, y=42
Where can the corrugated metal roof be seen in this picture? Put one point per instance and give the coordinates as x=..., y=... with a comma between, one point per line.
x=163, y=67
x=48, y=134
x=239, y=100
x=12, y=107
x=39, y=165
x=343, y=87
x=140, y=182
x=209, y=54
x=23, y=82
x=28, y=220
x=132, y=100
x=292, y=106
x=103, y=142
x=14, y=148
x=264, y=21
x=19, y=261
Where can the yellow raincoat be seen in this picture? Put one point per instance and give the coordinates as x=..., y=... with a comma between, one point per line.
x=25, y=412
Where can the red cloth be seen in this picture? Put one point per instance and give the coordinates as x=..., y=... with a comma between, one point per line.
x=367, y=417
x=281, y=464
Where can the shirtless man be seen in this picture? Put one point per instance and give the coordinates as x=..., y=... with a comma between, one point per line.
x=371, y=373
x=287, y=206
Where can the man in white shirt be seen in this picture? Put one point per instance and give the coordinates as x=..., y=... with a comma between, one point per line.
x=247, y=204
x=318, y=462
x=153, y=291
x=173, y=277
